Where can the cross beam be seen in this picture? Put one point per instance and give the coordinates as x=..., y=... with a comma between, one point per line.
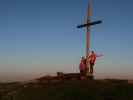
x=89, y=24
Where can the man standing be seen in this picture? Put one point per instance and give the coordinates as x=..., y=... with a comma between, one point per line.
x=92, y=59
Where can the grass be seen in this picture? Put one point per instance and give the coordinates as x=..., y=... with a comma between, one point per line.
x=75, y=90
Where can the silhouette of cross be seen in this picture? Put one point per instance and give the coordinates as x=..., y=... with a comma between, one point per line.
x=89, y=24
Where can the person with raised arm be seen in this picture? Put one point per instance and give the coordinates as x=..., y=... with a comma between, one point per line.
x=92, y=59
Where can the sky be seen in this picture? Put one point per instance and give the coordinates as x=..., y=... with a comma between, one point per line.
x=39, y=37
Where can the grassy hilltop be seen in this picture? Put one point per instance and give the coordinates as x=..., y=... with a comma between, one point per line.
x=72, y=90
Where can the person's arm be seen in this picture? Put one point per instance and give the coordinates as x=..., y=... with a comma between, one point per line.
x=99, y=55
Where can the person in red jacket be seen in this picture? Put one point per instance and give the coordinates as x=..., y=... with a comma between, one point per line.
x=92, y=60
x=82, y=68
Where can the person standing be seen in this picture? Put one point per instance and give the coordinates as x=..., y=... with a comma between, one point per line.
x=82, y=68
x=92, y=59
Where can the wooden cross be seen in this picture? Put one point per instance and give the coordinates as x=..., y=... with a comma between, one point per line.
x=87, y=26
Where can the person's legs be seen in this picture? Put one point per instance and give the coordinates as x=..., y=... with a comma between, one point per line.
x=91, y=68
x=81, y=74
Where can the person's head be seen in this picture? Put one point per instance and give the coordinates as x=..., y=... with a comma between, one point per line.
x=92, y=52
x=82, y=58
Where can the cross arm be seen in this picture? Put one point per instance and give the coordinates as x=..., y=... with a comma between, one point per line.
x=89, y=24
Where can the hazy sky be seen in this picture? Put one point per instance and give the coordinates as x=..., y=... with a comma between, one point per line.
x=39, y=37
